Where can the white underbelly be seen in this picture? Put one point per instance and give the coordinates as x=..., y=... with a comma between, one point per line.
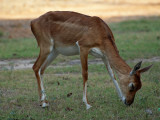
x=69, y=50
x=75, y=50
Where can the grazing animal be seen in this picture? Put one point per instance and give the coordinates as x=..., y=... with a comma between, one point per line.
x=71, y=33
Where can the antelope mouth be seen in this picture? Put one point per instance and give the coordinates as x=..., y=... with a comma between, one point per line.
x=128, y=103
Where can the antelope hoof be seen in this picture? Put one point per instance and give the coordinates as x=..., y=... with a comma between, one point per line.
x=44, y=104
x=88, y=106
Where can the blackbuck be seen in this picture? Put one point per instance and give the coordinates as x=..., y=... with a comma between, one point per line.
x=71, y=33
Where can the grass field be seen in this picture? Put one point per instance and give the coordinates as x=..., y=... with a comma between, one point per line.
x=19, y=96
x=18, y=88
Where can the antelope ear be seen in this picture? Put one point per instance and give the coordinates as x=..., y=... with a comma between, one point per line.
x=136, y=67
x=144, y=69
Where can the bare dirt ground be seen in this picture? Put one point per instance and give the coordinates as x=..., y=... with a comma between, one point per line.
x=19, y=64
x=104, y=8
x=15, y=16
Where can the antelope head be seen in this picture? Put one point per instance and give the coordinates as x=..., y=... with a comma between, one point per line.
x=132, y=83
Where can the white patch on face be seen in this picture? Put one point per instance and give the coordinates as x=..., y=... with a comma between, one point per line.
x=96, y=52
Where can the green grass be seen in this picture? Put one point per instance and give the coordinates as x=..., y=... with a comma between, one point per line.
x=134, y=39
x=137, y=38
x=21, y=48
x=19, y=95
x=1, y=34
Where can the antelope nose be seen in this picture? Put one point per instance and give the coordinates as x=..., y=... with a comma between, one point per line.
x=128, y=103
x=125, y=102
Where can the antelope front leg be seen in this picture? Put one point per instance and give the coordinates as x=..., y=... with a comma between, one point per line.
x=106, y=62
x=84, y=63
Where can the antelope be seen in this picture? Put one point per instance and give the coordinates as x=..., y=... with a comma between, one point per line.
x=70, y=33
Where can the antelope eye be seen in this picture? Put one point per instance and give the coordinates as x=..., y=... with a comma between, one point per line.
x=131, y=87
